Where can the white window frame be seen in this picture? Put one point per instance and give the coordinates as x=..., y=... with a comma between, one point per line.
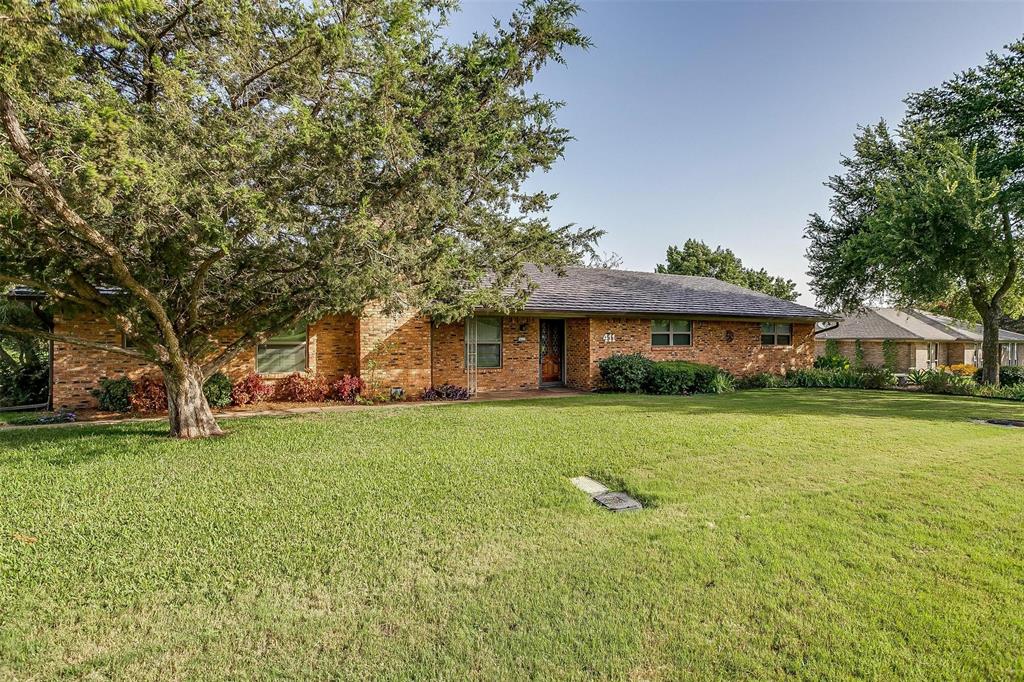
x=774, y=334
x=271, y=342
x=932, y=358
x=500, y=343
x=678, y=333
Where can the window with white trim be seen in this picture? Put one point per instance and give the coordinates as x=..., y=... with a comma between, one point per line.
x=284, y=353
x=488, y=341
x=773, y=334
x=671, y=333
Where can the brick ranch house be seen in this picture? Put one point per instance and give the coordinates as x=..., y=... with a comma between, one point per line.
x=920, y=340
x=568, y=325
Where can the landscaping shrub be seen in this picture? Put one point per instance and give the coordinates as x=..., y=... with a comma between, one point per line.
x=217, y=390
x=1009, y=375
x=1014, y=392
x=831, y=362
x=445, y=392
x=838, y=378
x=148, y=395
x=721, y=383
x=876, y=378
x=671, y=378
x=706, y=376
x=346, y=389
x=811, y=378
x=26, y=384
x=114, y=395
x=917, y=376
x=626, y=373
x=678, y=377
x=961, y=370
x=296, y=388
x=761, y=380
x=948, y=383
x=251, y=390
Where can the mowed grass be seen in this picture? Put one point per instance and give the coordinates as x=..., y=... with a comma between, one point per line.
x=812, y=534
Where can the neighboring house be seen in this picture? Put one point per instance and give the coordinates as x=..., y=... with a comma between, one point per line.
x=569, y=324
x=920, y=340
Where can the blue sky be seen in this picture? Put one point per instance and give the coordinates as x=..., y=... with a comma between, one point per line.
x=720, y=120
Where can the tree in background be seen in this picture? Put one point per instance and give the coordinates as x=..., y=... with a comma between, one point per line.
x=933, y=211
x=603, y=261
x=698, y=259
x=24, y=358
x=185, y=169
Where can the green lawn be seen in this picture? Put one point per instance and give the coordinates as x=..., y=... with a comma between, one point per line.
x=814, y=534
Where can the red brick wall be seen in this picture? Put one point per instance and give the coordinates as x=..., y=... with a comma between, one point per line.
x=741, y=355
x=408, y=351
x=577, y=353
x=77, y=370
x=520, y=361
x=395, y=351
x=874, y=352
x=332, y=351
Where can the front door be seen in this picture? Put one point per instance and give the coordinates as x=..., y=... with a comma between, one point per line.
x=552, y=336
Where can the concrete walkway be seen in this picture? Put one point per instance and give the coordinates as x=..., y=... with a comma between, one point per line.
x=322, y=408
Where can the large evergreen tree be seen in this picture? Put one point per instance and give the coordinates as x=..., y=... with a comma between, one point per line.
x=184, y=167
x=934, y=212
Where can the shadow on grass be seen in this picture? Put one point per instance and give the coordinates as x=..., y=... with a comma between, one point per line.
x=826, y=403
x=71, y=446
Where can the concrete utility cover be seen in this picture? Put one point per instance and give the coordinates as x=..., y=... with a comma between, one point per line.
x=588, y=485
x=618, y=502
x=1006, y=422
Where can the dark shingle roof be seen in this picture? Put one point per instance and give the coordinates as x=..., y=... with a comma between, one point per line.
x=894, y=323
x=595, y=290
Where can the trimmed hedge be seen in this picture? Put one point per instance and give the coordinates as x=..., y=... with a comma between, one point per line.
x=114, y=395
x=1009, y=375
x=636, y=374
x=217, y=390
x=626, y=373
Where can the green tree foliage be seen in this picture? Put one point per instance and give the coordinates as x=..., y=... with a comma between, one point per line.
x=932, y=212
x=698, y=259
x=234, y=167
x=24, y=358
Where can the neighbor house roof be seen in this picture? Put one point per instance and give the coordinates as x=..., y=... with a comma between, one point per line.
x=597, y=290
x=910, y=325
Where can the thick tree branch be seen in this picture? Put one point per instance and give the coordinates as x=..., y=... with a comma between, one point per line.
x=1011, y=269
x=73, y=340
x=195, y=291
x=39, y=286
x=39, y=174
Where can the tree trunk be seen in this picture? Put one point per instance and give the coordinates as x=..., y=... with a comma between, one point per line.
x=188, y=411
x=990, y=346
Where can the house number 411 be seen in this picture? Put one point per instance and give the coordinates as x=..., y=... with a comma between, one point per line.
x=608, y=337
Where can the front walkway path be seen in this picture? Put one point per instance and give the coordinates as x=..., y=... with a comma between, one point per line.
x=321, y=408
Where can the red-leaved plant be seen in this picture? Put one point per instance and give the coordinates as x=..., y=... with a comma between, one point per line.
x=347, y=388
x=251, y=390
x=296, y=388
x=148, y=395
